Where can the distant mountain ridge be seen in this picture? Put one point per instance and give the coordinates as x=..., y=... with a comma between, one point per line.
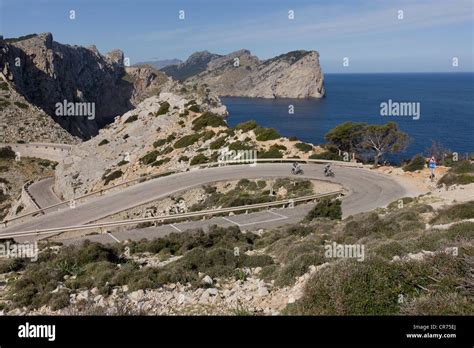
x=160, y=64
x=295, y=74
x=195, y=64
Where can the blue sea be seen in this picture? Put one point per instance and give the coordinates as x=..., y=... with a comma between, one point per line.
x=446, y=108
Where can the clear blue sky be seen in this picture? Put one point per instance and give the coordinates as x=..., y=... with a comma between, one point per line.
x=368, y=32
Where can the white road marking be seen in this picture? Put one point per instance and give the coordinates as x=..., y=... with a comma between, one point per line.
x=176, y=228
x=231, y=221
x=261, y=222
x=280, y=217
x=277, y=214
x=113, y=237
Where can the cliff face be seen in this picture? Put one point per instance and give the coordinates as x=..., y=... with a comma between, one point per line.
x=295, y=74
x=45, y=72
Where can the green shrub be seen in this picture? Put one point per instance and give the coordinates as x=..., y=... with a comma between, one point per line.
x=218, y=143
x=159, y=142
x=150, y=157
x=418, y=162
x=208, y=135
x=131, y=119
x=239, y=145
x=122, y=162
x=326, y=208
x=194, y=108
x=327, y=155
x=264, y=134
x=21, y=105
x=160, y=162
x=297, y=267
x=7, y=153
x=208, y=119
x=187, y=140
x=3, y=86
x=112, y=176
x=454, y=213
x=164, y=108
x=304, y=147
x=11, y=265
x=59, y=300
x=199, y=159
x=373, y=287
x=246, y=126
x=463, y=167
x=183, y=159
x=450, y=179
x=103, y=142
x=272, y=152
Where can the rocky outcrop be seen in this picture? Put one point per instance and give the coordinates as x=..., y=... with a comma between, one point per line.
x=295, y=74
x=120, y=145
x=21, y=121
x=45, y=73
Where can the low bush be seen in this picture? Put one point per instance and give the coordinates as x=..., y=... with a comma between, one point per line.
x=454, y=213
x=373, y=287
x=112, y=176
x=7, y=153
x=21, y=105
x=131, y=119
x=150, y=157
x=195, y=108
x=265, y=134
x=304, y=147
x=199, y=159
x=164, y=108
x=246, y=126
x=218, y=143
x=187, y=140
x=159, y=142
x=103, y=142
x=208, y=119
x=326, y=208
x=418, y=162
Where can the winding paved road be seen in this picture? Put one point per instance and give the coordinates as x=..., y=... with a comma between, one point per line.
x=42, y=191
x=367, y=190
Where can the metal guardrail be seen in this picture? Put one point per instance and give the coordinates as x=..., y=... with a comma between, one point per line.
x=166, y=217
x=158, y=175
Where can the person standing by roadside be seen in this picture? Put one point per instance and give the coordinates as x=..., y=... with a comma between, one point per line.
x=432, y=166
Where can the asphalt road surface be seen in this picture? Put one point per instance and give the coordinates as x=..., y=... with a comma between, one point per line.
x=367, y=190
